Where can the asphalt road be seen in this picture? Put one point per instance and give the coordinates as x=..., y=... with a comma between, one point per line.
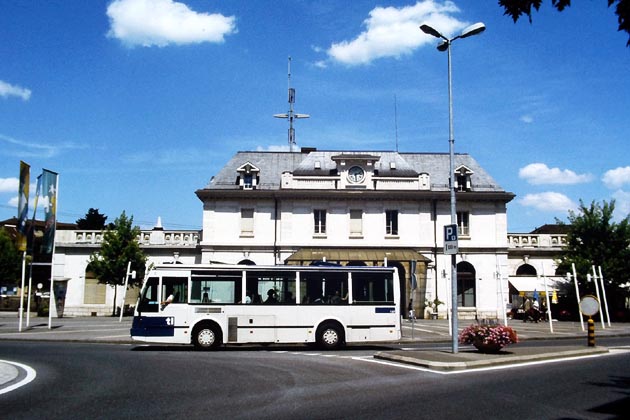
x=91, y=380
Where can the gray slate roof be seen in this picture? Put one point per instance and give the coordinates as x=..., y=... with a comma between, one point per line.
x=273, y=164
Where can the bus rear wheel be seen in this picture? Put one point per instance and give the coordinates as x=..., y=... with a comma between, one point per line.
x=206, y=337
x=329, y=337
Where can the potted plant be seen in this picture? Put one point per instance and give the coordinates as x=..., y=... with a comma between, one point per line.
x=488, y=338
x=432, y=307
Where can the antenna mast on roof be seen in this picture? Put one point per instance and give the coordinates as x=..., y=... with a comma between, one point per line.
x=291, y=115
x=396, y=120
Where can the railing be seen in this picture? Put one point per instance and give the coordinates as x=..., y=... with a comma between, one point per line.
x=530, y=240
x=146, y=237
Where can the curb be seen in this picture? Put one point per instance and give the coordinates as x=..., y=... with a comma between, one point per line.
x=487, y=361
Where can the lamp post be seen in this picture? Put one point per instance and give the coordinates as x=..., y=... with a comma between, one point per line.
x=445, y=45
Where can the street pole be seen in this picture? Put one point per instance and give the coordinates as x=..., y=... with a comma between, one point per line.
x=451, y=151
x=445, y=45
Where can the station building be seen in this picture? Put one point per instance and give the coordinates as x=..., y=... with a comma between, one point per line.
x=341, y=207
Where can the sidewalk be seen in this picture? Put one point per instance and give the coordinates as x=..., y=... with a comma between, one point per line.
x=111, y=330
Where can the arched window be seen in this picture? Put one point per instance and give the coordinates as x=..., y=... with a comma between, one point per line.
x=526, y=270
x=466, y=289
x=246, y=262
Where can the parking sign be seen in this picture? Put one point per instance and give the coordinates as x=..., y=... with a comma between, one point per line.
x=450, y=239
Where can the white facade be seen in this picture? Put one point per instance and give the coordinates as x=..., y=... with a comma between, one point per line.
x=270, y=219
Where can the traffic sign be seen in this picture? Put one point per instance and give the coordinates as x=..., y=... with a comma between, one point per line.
x=450, y=240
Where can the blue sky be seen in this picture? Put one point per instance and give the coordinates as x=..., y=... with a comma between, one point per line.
x=138, y=103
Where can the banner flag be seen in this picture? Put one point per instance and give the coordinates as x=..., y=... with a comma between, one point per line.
x=49, y=193
x=25, y=170
x=31, y=227
x=414, y=278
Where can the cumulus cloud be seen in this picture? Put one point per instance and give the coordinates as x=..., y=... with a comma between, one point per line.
x=616, y=178
x=527, y=119
x=9, y=185
x=548, y=202
x=539, y=173
x=393, y=32
x=7, y=90
x=163, y=22
x=622, y=204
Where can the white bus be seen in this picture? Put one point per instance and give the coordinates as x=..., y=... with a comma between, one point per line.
x=210, y=305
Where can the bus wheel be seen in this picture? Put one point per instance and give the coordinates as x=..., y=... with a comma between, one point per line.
x=206, y=337
x=329, y=337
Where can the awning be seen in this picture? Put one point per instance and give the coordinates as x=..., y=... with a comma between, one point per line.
x=529, y=284
x=356, y=254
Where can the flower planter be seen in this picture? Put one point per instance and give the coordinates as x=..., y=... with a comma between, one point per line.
x=490, y=348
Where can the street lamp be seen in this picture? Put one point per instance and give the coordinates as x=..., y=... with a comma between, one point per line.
x=445, y=45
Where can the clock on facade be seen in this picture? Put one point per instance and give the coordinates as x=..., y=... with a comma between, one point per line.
x=356, y=174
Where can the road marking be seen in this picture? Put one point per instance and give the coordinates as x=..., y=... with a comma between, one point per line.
x=611, y=352
x=30, y=376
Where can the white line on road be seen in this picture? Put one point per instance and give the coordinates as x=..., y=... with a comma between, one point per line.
x=30, y=376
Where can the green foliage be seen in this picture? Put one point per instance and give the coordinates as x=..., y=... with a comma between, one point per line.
x=119, y=247
x=594, y=239
x=93, y=220
x=10, y=260
x=517, y=8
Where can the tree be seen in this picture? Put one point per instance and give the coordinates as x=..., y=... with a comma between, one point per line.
x=594, y=239
x=10, y=260
x=517, y=8
x=119, y=247
x=93, y=220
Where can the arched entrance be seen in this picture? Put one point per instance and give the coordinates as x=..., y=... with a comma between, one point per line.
x=466, y=288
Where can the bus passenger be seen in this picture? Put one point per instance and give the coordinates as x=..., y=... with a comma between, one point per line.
x=271, y=296
x=169, y=299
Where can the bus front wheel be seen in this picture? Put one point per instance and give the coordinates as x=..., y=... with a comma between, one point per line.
x=206, y=337
x=329, y=337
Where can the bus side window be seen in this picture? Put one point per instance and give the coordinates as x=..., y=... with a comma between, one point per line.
x=177, y=287
x=149, y=299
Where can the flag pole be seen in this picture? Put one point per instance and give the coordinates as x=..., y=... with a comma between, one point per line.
x=577, y=293
x=22, y=291
x=52, y=256
x=601, y=278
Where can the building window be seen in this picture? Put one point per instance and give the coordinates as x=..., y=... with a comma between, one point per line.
x=463, y=223
x=391, y=222
x=319, y=218
x=248, y=181
x=356, y=223
x=247, y=222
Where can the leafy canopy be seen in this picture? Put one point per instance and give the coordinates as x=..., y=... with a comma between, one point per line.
x=10, y=260
x=518, y=8
x=119, y=247
x=93, y=220
x=595, y=239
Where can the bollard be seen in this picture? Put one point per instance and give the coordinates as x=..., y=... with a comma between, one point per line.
x=591, y=332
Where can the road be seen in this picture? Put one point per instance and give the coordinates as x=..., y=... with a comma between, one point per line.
x=91, y=380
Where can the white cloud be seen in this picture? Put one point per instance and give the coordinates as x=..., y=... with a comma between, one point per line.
x=393, y=32
x=24, y=149
x=9, y=185
x=548, y=202
x=527, y=119
x=539, y=173
x=163, y=22
x=277, y=148
x=622, y=204
x=13, y=202
x=7, y=90
x=615, y=178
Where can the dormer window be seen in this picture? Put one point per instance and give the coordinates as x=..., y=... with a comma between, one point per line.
x=248, y=176
x=462, y=178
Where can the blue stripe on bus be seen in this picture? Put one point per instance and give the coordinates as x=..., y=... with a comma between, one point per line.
x=384, y=310
x=158, y=326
